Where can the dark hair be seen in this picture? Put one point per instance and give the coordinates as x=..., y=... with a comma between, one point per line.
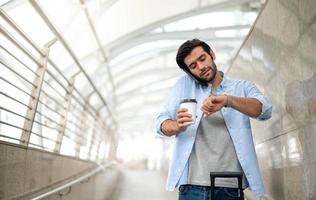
x=185, y=49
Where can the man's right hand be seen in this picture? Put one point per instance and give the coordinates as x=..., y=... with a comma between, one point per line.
x=183, y=120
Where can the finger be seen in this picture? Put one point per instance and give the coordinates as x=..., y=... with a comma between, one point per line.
x=212, y=98
x=182, y=110
x=185, y=119
x=204, y=106
x=183, y=114
x=208, y=102
x=206, y=109
x=208, y=106
x=206, y=114
x=185, y=125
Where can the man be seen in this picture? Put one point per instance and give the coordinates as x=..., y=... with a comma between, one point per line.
x=220, y=139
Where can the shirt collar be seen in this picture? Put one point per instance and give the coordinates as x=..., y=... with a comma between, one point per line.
x=223, y=82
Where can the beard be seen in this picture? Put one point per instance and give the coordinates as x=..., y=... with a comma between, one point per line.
x=210, y=79
x=204, y=81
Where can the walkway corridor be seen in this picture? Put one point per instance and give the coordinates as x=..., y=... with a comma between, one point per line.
x=142, y=185
x=85, y=86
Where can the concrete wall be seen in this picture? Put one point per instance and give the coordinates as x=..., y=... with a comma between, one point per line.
x=279, y=56
x=100, y=187
x=24, y=173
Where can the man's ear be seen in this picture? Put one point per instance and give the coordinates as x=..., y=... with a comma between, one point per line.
x=212, y=54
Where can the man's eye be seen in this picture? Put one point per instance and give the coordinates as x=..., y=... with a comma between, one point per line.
x=192, y=66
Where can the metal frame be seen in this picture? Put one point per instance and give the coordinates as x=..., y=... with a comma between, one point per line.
x=97, y=38
x=204, y=34
x=147, y=72
x=63, y=120
x=49, y=23
x=141, y=35
x=32, y=43
x=38, y=82
x=36, y=89
x=130, y=37
x=94, y=132
x=83, y=127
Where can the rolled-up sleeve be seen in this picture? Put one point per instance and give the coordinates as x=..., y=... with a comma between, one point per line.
x=169, y=109
x=253, y=92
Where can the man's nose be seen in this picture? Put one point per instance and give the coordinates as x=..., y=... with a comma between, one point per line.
x=201, y=66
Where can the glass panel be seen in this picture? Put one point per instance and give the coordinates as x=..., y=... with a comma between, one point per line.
x=22, y=15
x=228, y=18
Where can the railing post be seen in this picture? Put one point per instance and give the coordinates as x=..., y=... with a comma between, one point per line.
x=82, y=129
x=38, y=82
x=94, y=132
x=98, y=150
x=63, y=119
x=113, y=147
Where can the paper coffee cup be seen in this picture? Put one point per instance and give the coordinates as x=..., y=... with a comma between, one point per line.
x=189, y=104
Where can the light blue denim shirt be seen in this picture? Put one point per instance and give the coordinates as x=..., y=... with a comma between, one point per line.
x=238, y=125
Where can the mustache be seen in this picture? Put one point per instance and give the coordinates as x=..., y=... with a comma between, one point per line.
x=205, y=70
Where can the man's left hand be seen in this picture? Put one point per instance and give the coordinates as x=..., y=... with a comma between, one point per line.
x=213, y=104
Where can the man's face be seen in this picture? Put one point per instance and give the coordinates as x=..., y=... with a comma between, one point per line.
x=201, y=64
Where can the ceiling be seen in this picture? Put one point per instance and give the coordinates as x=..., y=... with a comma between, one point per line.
x=122, y=52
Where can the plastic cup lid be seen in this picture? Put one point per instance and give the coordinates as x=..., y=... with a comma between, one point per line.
x=188, y=100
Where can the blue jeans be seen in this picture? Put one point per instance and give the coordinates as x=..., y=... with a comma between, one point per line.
x=195, y=192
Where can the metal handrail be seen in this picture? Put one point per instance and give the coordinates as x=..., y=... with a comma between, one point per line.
x=45, y=125
x=51, y=98
x=19, y=45
x=57, y=103
x=42, y=147
x=17, y=114
x=12, y=125
x=43, y=137
x=17, y=87
x=71, y=53
x=57, y=92
x=70, y=137
x=78, y=101
x=49, y=108
x=17, y=59
x=21, y=32
x=76, y=181
x=32, y=43
x=16, y=73
x=11, y=138
x=50, y=119
x=59, y=124
x=17, y=127
x=14, y=99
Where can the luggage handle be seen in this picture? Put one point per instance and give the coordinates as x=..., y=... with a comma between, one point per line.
x=238, y=175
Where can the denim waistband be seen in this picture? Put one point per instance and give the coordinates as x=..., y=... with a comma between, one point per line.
x=201, y=187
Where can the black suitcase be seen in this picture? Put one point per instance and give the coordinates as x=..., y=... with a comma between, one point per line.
x=238, y=175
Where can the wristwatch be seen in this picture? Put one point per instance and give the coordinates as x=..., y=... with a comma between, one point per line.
x=229, y=100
